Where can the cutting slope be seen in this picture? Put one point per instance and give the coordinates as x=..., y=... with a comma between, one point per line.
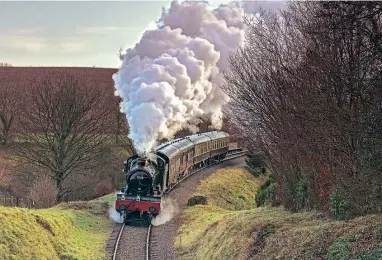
x=77, y=230
x=230, y=227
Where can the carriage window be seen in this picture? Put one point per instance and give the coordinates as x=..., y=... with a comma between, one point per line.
x=177, y=164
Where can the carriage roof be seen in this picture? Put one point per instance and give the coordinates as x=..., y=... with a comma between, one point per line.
x=172, y=148
x=216, y=134
x=198, y=138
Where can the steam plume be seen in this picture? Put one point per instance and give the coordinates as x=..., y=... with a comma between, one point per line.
x=169, y=80
x=115, y=216
x=168, y=210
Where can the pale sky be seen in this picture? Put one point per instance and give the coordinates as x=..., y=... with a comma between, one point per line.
x=73, y=33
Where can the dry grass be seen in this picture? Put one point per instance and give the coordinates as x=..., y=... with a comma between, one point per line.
x=221, y=230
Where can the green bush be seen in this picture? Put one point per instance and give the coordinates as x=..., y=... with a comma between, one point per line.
x=378, y=231
x=255, y=161
x=252, y=171
x=302, y=192
x=375, y=254
x=339, y=250
x=266, y=230
x=338, y=206
x=267, y=193
x=241, y=196
x=197, y=200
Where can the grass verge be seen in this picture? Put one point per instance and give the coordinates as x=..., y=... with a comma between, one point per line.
x=231, y=227
x=75, y=230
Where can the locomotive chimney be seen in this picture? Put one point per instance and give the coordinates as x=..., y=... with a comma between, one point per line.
x=142, y=162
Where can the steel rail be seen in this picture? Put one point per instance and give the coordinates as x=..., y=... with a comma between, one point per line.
x=117, y=242
x=148, y=243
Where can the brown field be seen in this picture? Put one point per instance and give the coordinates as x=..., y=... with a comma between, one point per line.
x=23, y=75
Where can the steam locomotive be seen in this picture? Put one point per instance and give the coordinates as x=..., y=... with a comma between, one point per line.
x=148, y=179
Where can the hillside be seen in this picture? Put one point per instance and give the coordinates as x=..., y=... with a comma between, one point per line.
x=77, y=230
x=15, y=88
x=22, y=75
x=231, y=227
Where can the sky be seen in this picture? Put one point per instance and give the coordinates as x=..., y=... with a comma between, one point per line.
x=73, y=33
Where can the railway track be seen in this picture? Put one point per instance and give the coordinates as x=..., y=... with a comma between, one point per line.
x=141, y=249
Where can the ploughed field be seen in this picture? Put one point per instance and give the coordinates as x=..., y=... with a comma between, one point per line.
x=24, y=75
x=19, y=79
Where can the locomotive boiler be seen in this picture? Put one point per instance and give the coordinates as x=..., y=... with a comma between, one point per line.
x=141, y=175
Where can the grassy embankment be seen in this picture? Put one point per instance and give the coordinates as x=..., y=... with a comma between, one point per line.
x=77, y=230
x=231, y=227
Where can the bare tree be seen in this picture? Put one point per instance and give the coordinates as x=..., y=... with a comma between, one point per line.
x=10, y=104
x=5, y=64
x=63, y=127
x=43, y=192
x=305, y=91
x=121, y=126
x=3, y=171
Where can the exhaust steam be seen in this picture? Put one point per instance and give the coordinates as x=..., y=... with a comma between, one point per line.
x=115, y=216
x=168, y=210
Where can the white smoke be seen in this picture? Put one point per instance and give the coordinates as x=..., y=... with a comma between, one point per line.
x=168, y=210
x=169, y=80
x=115, y=216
